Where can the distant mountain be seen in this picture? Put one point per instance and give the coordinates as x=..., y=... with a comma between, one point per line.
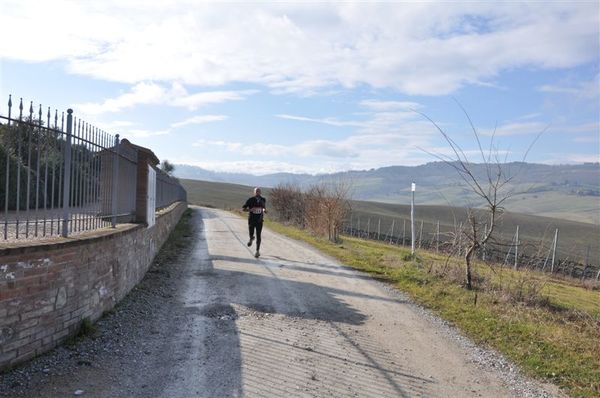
x=270, y=180
x=563, y=191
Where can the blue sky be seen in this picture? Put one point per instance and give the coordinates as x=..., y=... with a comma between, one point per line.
x=313, y=87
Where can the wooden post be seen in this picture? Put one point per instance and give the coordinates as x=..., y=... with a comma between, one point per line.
x=587, y=262
x=517, y=248
x=437, y=239
x=554, y=250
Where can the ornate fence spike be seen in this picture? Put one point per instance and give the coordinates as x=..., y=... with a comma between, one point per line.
x=40, y=115
x=21, y=110
x=55, y=119
x=9, y=107
x=49, y=116
x=31, y=111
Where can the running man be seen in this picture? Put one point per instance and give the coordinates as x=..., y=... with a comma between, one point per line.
x=257, y=206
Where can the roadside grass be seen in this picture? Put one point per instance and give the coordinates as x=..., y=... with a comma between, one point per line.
x=549, y=327
x=177, y=240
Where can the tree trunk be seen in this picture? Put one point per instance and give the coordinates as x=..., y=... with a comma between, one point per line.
x=468, y=278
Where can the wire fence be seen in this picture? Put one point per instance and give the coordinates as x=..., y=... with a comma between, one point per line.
x=515, y=252
x=59, y=175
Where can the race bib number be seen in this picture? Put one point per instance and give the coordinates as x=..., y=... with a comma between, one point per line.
x=256, y=210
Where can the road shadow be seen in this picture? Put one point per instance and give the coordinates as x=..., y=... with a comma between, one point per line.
x=274, y=314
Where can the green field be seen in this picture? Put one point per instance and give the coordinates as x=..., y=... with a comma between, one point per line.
x=585, y=209
x=536, y=232
x=217, y=194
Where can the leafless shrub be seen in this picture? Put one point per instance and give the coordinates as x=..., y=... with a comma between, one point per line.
x=288, y=203
x=517, y=288
x=322, y=208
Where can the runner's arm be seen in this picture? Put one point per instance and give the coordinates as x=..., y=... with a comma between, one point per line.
x=246, y=206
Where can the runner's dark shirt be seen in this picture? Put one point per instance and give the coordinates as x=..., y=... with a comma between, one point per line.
x=256, y=206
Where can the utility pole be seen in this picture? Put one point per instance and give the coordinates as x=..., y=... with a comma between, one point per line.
x=413, y=186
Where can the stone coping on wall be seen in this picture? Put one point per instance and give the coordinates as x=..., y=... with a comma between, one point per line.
x=26, y=246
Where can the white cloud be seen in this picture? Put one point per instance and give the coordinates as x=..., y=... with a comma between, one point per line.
x=142, y=133
x=246, y=149
x=529, y=116
x=516, y=128
x=200, y=119
x=141, y=93
x=149, y=93
x=415, y=48
x=329, y=121
x=569, y=158
x=259, y=167
x=194, y=101
x=360, y=150
x=513, y=128
x=588, y=139
x=591, y=127
x=587, y=89
x=378, y=105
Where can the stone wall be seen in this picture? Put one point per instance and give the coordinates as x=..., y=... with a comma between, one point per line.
x=47, y=289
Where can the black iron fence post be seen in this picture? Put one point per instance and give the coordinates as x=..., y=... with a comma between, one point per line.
x=67, y=174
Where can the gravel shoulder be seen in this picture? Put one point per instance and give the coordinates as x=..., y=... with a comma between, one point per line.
x=213, y=321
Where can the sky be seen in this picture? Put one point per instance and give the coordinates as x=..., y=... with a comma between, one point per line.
x=315, y=87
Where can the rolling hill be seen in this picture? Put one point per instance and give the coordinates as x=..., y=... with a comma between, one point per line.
x=570, y=192
x=577, y=241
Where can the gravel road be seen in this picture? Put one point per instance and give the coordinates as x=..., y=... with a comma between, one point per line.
x=294, y=323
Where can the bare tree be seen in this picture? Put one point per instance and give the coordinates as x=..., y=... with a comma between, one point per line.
x=492, y=187
x=336, y=207
x=314, y=205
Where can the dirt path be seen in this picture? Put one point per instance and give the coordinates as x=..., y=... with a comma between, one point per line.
x=293, y=323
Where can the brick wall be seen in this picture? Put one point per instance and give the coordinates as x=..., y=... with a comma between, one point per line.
x=47, y=289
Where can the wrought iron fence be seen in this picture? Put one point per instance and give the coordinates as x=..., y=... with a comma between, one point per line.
x=59, y=175
x=168, y=190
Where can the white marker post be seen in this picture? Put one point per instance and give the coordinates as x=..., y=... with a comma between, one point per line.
x=413, y=186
